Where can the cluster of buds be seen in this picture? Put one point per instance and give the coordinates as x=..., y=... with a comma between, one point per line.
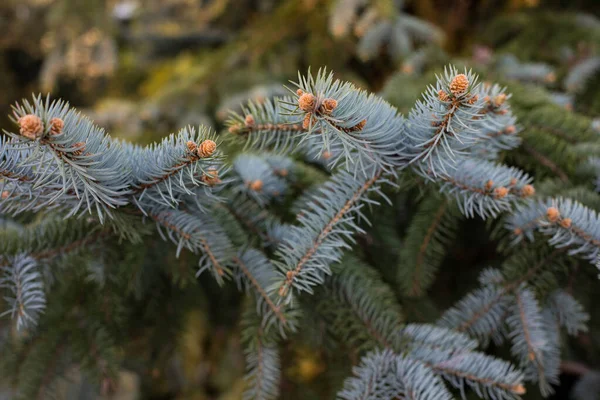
x=32, y=127
x=553, y=216
x=204, y=150
x=211, y=177
x=311, y=105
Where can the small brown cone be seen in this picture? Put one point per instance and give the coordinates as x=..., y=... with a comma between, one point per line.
x=489, y=185
x=32, y=126
x=499, y=99
x=307, y=102
x=443, y=96
x=459, y=84
x=360, y=125
x=308, y=121
x=256, y=185
x=56, y=126
x=500, y=192
x=519, y=390
x=473, y=99
x=5, y=195
x=249, y=121
x=78, y=148
x=511, y=129
x=191, y=146
x=518, y=231
x=206, y=148
x=528, y=191
x=328, y=106
x=566, y=223
x=552, y=214
x=211, y=177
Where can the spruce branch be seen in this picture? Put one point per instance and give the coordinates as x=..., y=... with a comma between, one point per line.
x=330, y=220
x=25, y=291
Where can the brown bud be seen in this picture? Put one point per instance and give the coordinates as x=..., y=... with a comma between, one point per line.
x=249, y=121
x=307, y=102
x=5, y=194
x=282, y=172
x=513, y=181
x=519, y=390
x=360, y=125
x=511, y=129
x=211, y=177
x=499, y=99
x=206, y=148
x=290, y=275
x=191, y=146
x=283, y=290
x=408, y=69
x=256, y=185
x=326, y=155
x=443, y=96
x=552, y=214
x=503, y=112
x=527, y=191
x=299, y=92
x=551, y=77
x=31, y=126
x=459, y=84
x=328, y=106
x=56, y=126
x=518, y=231
x=489, y=184
x=566, y=223
x=79, y=148
x=234, y=128
x=308, y=121
x=486, y=99
x=473, y=99
x=500, y=192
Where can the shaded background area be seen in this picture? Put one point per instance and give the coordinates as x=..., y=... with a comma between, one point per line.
x=143, y=69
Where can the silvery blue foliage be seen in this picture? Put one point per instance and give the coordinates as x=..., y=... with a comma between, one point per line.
x=582, y=236
x=258, y=179
x=480, y=314
x=199, y=233
x=580, y=73
x=254, y=272
x=442, y=130
x=272, y=126
x=383, y=375
x=399, y=35
x=568, y=312
x=531, y=344
x=424, y=335
x=509, y=66
x=470, y=184
x=368, y=130
x=327, y=224
x=167, y=172
x=26, y=299
x=490, y=378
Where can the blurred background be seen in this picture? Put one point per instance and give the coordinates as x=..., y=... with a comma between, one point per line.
x=145, y=68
